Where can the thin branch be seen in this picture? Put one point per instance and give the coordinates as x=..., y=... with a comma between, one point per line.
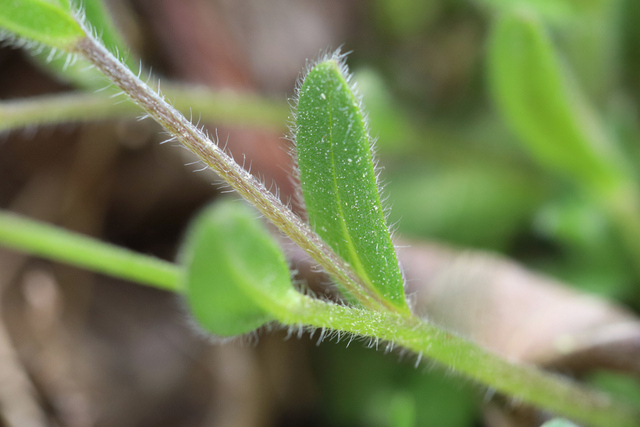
x=238, y=178
x=464, y=357
x=525, y=383
x=522, y=382
x=55, y=243
x=214, y=106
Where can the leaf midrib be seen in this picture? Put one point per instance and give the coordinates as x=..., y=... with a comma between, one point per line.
x=355, y=263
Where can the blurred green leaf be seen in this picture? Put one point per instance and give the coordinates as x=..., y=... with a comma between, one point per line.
x=543, y=105
x=482, y=206
x=591, y=45
x=47, y=22
x=236, y=275
x=389, y=124
x=338, y=179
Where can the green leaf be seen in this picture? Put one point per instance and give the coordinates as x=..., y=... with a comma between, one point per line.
x=389, y=122
x=338, y=180
x=48, y=22
x=542, y=103
x=236, y=276
x=467, y=204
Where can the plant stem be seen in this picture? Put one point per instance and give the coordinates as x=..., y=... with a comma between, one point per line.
x=522, y=382
x=222, y=107
x=229, y=107
x=526, y=383
x=238, y=178
x=51, y=242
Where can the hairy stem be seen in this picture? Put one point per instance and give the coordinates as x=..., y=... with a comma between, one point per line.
x=223, y=107
x=526, y=383
x=522, y=382
x=464, y=357
x=58, y=244
x=238, y=178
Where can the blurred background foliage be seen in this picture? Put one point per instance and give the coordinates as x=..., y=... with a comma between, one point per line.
x=487, y=166
x=503, y=125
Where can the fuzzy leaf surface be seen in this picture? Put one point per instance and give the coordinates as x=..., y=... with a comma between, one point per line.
x=338, y=180
x=48, y=22
x=543, y=104
x=236, y=276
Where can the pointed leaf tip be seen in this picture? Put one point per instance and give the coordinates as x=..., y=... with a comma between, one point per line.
x=338, y=179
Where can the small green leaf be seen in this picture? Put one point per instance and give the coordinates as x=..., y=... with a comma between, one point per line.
x=542, y=103
x=236, y=276
x=48, y=22
x=338, y=179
